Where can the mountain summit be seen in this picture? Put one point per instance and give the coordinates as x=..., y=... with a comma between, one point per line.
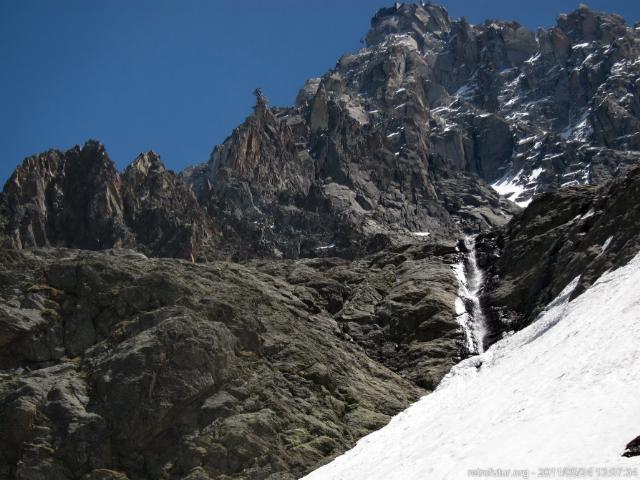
x=402, y=136
x=420, y=205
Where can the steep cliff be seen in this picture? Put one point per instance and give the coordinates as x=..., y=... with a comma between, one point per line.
x=317, y=270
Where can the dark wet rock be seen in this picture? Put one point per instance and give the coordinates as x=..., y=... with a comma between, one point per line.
x=633, y=448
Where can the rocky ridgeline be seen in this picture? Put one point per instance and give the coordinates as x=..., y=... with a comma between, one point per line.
x=78, y=199
x=529, y=112
x=310, y=285
x=403, y=136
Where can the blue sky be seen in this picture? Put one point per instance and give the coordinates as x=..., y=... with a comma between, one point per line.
x=176, y=76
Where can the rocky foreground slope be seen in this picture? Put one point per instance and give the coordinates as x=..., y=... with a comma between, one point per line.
x=254, y=315
x=117, y=366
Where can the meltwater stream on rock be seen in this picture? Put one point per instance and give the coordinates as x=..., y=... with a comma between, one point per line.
x=468, y=309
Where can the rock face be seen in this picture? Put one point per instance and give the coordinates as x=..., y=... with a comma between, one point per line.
x=633, y=448
x=78, y=199
x=71, y=198
x=576, y=231
x=398, y=305
x=117, y=366
x=366, y=151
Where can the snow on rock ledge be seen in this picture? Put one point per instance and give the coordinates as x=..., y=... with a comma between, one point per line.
x=561, y=393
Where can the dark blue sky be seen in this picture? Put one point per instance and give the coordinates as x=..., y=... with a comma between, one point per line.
x=177, y=76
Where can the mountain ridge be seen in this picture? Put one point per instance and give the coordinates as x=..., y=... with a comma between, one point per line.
x=253, y=316
x=374, y=141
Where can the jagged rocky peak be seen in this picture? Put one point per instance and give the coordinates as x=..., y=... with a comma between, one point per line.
x=585, y=32
x=64, y=199
x=144, y=169
x=45, y=165
x=403, y=136
x=163, y=213
x=144, y=164
x=417, y=20
x=308, y=91
x=345, y=214
x=505, y=43
x=586, y=25
x=79, y=199
x=262, y=151
x=91, y=158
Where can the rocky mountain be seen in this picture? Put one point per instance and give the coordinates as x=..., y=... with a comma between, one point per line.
x=255, y=315
x=405, y=134
x=400, y=137
x=79, y=199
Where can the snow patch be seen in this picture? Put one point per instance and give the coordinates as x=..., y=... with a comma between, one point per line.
x=466, y=91
x=527, y=140
x=512, y=189
x=590, y=213
x=580, y=131
x=536, y=173
x=560, y=393
x=533, y=59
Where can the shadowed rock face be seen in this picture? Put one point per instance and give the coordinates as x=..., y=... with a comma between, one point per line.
x=163, y=214
x=578, y=231
x=397, y=304
x=70, y=198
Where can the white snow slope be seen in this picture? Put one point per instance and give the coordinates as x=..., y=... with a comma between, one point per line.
x=556, y=397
